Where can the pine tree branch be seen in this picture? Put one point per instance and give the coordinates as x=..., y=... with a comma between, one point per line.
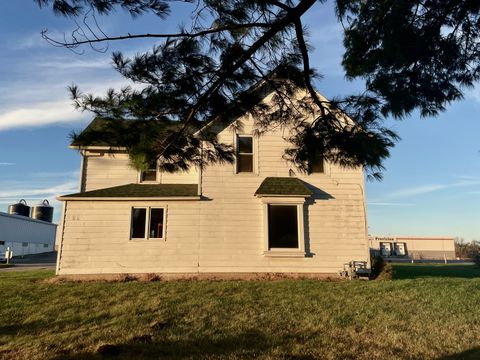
x=228, y=69
x=279, y=4
x=306, y=72
x=306, y=65
x=77, y=43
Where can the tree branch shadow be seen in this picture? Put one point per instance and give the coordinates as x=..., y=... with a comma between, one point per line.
x=245, y=345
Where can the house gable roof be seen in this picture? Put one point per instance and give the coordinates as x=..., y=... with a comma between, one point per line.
x=139, y=191
x=101, y=133
x=283, y=186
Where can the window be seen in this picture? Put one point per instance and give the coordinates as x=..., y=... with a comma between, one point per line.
x=282, y=226
x=154, y=222
x=284, y=234
x=316, y=166
x=45, y=245
x=24, y=244
x=150, y=174
x=244, y=154
x=2, y=242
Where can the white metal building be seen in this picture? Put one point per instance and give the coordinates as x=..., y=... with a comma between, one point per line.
x=414, y=247
x=25, y=235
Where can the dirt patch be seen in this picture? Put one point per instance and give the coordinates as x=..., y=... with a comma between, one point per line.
x=189, y=277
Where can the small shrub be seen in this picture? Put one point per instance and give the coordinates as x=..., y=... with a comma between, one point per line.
x=381, y=270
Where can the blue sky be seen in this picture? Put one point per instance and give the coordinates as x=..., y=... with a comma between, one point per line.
x=431, y=184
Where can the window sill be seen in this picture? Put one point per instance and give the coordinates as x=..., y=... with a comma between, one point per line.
x=284, y=253
x=146, y=239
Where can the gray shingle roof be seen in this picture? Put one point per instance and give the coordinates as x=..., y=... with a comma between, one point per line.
x=120, y=132
x=288, y=186
x=140, y=191
x=111, y=132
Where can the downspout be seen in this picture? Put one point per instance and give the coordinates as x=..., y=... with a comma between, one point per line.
x=200, y=191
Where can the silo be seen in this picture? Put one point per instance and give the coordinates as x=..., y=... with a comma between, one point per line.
x=43, y=211
x=20, y=208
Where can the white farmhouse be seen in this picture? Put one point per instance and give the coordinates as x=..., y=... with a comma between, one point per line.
x=257, y=215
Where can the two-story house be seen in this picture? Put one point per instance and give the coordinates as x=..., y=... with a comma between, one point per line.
x=257, y=215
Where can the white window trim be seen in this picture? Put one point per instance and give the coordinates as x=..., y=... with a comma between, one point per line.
x=327, y=170
x=157, y=177
x=284, y=252
x=147, y=223
x=254, y=154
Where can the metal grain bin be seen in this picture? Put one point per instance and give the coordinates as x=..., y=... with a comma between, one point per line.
x=43, y=211
x=20, y=208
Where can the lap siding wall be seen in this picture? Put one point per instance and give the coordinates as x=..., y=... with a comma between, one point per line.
x=223, y=232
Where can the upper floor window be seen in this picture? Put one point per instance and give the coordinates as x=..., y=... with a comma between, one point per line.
x=150, y=174
x=244, y=154
x=316, y=166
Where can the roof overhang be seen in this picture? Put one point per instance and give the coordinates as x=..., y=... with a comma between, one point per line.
x=138, y=192
x=172, y=198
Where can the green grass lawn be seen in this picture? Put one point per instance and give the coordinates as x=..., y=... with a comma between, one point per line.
x=412, y=317
x=412, y=271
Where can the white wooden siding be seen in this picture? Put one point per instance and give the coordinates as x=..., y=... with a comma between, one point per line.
x=96, y=239
x=222, y=233
x=231, y=224
x=103, y=170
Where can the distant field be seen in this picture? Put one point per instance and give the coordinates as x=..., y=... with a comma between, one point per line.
x=417, y=316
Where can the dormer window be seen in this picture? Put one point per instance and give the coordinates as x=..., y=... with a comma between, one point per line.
x=149, y=175
x=244, y=154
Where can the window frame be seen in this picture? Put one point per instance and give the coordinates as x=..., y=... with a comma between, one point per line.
x=140, y=175
x=147, y=223
x=310, y=167
x=253, y=154
x=285, y=252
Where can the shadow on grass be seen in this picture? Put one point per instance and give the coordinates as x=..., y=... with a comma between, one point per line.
x=246, y=345
x=412, y=271
x=472, y=354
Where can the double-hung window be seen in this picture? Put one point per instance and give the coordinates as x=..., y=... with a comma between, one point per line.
x=149, y=175
x=244, y=154
x=148, y=223
x=316, y=166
